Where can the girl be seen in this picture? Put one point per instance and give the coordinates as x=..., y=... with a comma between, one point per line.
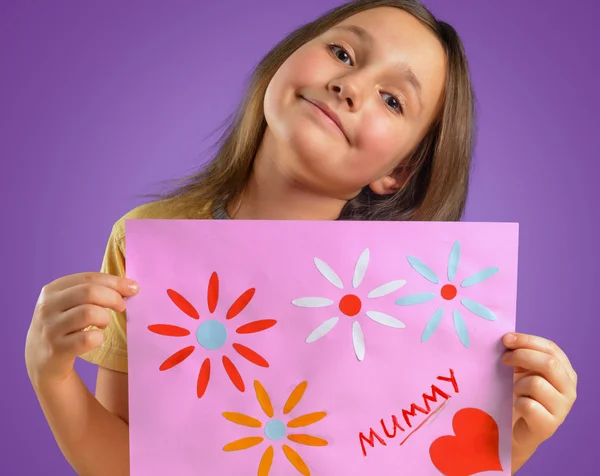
x=364, y=114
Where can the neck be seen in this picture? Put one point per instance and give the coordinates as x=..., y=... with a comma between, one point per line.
x=273, y=194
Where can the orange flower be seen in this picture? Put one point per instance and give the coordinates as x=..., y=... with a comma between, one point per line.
x=212, y=335
x=276, y=429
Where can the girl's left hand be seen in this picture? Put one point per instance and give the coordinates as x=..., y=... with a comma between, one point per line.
x=545, y=389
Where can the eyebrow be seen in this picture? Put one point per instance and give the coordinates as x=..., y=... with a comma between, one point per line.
x=410, y=76
x=405, y=69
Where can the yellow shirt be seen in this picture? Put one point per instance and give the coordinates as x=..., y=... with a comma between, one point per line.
x=113, y=352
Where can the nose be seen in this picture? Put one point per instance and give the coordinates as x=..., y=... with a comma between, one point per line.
x=347, y=90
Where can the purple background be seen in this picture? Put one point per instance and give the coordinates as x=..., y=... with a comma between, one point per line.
x=100, y=101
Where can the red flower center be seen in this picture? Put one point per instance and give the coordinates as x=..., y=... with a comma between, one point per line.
x=448, y=292
x=350, y=305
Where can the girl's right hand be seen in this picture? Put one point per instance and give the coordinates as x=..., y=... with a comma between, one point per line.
x=65, y=308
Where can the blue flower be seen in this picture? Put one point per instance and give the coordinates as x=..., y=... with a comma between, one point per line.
x=448, y=292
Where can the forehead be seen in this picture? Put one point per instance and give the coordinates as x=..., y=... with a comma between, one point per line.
x=393, y=31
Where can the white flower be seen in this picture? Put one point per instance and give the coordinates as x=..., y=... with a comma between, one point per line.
x=350, y=304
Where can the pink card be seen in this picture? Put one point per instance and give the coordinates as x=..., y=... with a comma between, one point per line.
x=321, y=348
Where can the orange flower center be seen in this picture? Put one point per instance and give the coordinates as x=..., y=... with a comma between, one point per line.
x=350, y=305
x=448, y=292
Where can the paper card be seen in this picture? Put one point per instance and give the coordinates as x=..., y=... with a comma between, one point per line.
x=322, y=348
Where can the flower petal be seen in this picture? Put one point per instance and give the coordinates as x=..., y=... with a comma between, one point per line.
x=183, y=304
x=250, y=355
x=480, y=276
x=461, y=329
x=358, y=341
x=213, y=292
x=233, y=373
x=305, y=420
x=241, y=419
x=203, y=378
x=312, y=302
x=423, y=269
x=296, y=460
x=478, y=309
x=432, y=325
x=328, y=273
x=240, y=303
x=307, y=440
x=243, y=443
x=413, y=299
x=322, y=330
x=453, y=260
x=177, y=358
x=265, y=462
x=256, y=326
x=361, y=268
x=385, y=319
x=387, y=288
x=263, y=399
x=168, y=330
x=295, y=397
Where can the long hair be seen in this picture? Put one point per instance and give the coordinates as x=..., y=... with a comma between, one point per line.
x=437, y=187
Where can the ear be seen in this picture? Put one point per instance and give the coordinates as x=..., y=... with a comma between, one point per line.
x=391, y=183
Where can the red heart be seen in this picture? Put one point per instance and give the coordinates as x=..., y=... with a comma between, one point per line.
x=473, y=450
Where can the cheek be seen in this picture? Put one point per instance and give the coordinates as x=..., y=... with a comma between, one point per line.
x=305, y=68
x=300, y=72
x=380, y=141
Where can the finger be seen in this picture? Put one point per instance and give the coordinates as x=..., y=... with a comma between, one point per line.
x=521, y=432
x=539, y=420
x=516, y=340
x=123, y=285
x=79, y=343
x=539, y=389
x=520, y=370
x=81, y=317
x=547, y=365
x=89, y=293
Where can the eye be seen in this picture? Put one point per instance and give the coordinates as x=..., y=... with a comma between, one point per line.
x=341, y=54
x=394, y=103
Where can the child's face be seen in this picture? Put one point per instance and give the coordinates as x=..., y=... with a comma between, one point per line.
x=365, y=81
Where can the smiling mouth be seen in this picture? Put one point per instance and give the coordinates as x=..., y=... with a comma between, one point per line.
x=327, y=118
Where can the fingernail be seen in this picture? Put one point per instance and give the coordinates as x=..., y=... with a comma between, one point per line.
x=133, y=286
x=510, y=338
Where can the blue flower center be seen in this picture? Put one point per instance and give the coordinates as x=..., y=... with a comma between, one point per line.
x=275, y=430
x=211, y=335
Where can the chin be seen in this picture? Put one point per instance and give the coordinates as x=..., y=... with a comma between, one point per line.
x=306, y=152
x=314, y=149
x=318, y=168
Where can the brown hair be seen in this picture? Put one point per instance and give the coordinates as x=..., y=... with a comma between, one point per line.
x=437, y=187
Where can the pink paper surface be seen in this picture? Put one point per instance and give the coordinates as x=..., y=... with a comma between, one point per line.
x=174, y=432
